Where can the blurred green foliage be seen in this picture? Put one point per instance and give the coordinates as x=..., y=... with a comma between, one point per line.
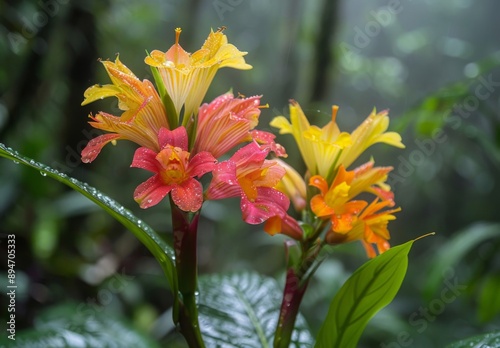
x=423, y=60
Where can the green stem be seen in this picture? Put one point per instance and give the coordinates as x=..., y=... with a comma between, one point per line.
x=185, y=226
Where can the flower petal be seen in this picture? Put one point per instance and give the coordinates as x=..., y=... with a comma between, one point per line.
x=269, y=203
x=319, y=207
x=224, y=183
x=151, y=192
x=188, y=196
x=288, y=226
x=145, y=158
x=94, y=146
x=176, y=138
x=201, y=163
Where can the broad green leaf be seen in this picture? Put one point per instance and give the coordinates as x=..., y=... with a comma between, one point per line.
x=369, y=289
x=156, y=245
x=76, y=326
x=241, y=310
x=489, y=340
x=455, y=250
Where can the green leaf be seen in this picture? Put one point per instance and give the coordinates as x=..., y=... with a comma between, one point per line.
x=72, y=325
x=241, y=310
x=369, y=289
x=455, y=250
x=156, y=245
x=490, y=340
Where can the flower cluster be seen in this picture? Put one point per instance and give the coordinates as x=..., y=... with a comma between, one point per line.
x=333, y=190
x=180, y=150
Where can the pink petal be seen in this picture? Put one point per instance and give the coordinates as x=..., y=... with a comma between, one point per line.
x=207, y=110
x=250, y=153
x=189, y=195
x=267, y=139
x=201, y=163
x=177, y=138
x=146, y=159
x=270, y=202
x=94, y=146
x=224, y=183
x=151, y=192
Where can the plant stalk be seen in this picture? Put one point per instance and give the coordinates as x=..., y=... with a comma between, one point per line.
x=292, y=297
x=185, y=226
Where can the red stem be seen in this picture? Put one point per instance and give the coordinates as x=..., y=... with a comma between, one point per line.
x=185, y=235
x=292, y=297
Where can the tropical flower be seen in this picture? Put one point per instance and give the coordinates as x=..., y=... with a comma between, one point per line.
x=174, y=171
x=370, y=228
x=227, y=122
x=325, y=149
x=355, y=219
x=248, y=175
x=335, y=201
x=143, y=116
x=186, y=77
x=320, y=147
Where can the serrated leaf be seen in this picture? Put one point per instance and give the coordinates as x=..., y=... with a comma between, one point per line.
x=489, y=340
x=156, y=245
x=241, y=310
x=70, y=326
x=372, y=287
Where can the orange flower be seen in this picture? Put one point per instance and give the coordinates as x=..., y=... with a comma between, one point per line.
x=144, y=114
x=334, y=202
x=370, y=227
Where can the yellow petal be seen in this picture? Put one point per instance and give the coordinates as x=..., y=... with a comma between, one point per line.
x=96, y=92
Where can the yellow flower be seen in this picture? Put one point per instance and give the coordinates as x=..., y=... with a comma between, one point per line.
x=325, y=149
x=187, y=77
x=320, y=147
x=371, y=131
x=144, y=114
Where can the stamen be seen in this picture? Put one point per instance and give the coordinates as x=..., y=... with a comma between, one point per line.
x=335, y=109
x=177, y=35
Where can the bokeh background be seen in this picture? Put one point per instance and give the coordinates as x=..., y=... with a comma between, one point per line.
x=435, y=65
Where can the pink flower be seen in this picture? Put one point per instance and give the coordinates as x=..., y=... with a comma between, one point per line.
x=248, y=175
x=174, y=171
x=227, y=122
